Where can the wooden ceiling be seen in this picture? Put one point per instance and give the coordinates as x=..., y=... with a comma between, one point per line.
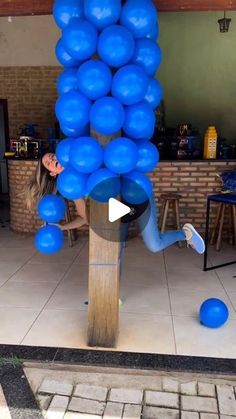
x=43, y=7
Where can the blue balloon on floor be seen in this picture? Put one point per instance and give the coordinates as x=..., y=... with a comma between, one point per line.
x=213, y=313
x=107, y=115
x=49, y=240
x=139, y=121
x=51, y=208
x=103, y=185
x=148, y=55
x=67, y=81
x=154, y=32
x=102, y=13
x=63, y=151
x=86, y=154
x=65, y=10
x=116, y=45
x=80, y=39
x=136, y=187
x=130, y=84
x=154, y=93
x=63, y=57
x=139, y=16
x=120, y=155
x=72, y=184
x=148, y=157
x=75, y=132
x=94, y=79
x=72, y=110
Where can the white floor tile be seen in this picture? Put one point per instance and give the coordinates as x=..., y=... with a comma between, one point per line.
x=143, y=275
x=16, y=255
x=193, y=279
x=77, y=273
x=7, y=269
x=15, y=322
x=47, y=272
x=28, y=295
x=149, y=299
x=69, y=295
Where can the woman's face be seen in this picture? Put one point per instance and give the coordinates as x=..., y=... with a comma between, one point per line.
x=50, y=162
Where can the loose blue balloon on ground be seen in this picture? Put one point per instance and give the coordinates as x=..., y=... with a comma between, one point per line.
x=63, y=151
x=65, y=10
x=72, y=110
x=139, y=16
x=102, y=13
x=80, y=39
x=130, y=84
x=116, y=45
x=154, y=32
x=213, y=313
x=67, y=81
x=63, y=57
x=154, y=93
x=139, y=121
x=49, y=240
x=86, y=154
x=51, y=208
x=107, y=115
x=72, y=184
x=94, y=79
x=136, y=187
x=148, y=157
x=120, y=155
x=148, y=55
x=103, y=185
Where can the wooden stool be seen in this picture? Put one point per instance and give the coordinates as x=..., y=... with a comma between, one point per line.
x=219, y=223
x=170, y=199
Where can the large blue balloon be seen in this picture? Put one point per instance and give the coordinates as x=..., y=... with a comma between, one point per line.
x=154, y=93
x=86, y=154
x=136, y=187
x=139, y=121
x=103, y=185
x=107, y=115
x=67, y=81
x=148, y=157
x=130, y=84
x=139, y=16
x=72, y=184
x=75, y=132
x=213, y=313
x=65, y=10
x=52, y=208
x=121, y=155
x=80, y=39
x=154, y=32
x=63, y=57
x=116, y=45
x=148, y=55
x=94, y=79
x=102, y=13
x=49, y=240
x=72, y=110
x=63, y=151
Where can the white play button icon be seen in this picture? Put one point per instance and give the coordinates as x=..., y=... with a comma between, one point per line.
x=117, y=210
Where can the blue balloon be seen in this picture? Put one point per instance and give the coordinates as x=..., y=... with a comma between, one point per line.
x=67, y=81
x=86, y=154
x=148, y=157
x=121, y=155
x=49, y=240
x=102, y=13
x=72, y=110
x=154, y=32
x=65, y=10
x=63, y=57
x=148, y=55
x=63, y=151
x=107, y=115
x=51, y=208
x=136, y=187
x=139, y=16
x=72, y=184
x=103, y=185
x=213, y=313
x=75, y=132
x=139, y=121
x=80, y=39
x=116, y=45
x=130, y=84
x=94, y=79
x=154, y=93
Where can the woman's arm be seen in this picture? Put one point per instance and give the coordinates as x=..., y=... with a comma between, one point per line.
x=80, y=220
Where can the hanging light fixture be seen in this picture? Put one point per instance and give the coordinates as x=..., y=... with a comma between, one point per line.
x=224, y=23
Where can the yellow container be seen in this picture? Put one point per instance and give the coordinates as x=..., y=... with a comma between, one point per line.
x=210, y=143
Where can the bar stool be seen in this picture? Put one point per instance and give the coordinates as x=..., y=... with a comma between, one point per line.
x=219, y=223
x=168, y=201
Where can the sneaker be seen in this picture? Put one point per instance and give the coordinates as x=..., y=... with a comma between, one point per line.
x=193, y=238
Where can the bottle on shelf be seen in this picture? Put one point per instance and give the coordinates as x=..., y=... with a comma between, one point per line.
x=210, y=143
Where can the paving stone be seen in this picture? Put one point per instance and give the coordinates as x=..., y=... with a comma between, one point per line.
x=226, y=400
x=189, y=415
x=44, y=401
x=206, y=389
x=91, y=392
x=56, y=387
x=226, y=417
x=113, y=410
x=73, y=415
x=132, y=411
x=159, y=398
x=209, y=416
x=168, y=384
x=86, y=406
x=126, y=395
x=199, y=404
x=159, y=413
x=189, y=388
x=57, y=407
